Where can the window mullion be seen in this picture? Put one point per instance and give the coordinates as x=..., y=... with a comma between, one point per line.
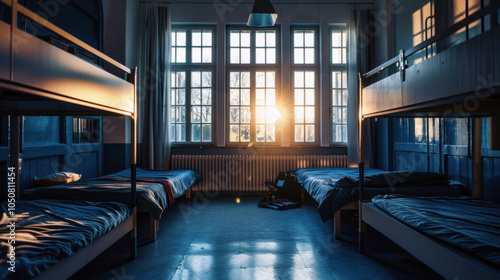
x=188, y=106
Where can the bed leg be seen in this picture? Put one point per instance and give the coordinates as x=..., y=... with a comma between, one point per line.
x=336, y=224
x=188, y=194
x=362, y=237
x=152, y=229
x=157, y=225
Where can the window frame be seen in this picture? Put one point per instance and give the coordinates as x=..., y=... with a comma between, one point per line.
x=253, y=68
x=316, y=68
x=337, y=67
x=188, y=67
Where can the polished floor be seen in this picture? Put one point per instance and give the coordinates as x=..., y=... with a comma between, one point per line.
x=222, y=238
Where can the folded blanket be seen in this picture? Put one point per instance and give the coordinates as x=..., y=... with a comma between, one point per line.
x=392, y=180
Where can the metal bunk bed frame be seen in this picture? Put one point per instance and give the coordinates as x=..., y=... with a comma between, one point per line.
x=39, y=79
x=447, y=261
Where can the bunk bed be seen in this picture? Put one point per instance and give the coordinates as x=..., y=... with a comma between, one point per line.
x=452, y=83
x=38, y=78
x=336, y=189
x=156, y=190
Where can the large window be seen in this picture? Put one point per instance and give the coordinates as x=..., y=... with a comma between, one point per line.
x=338, y=67
x=305, y=84
x=192, y=57
x=252, y=85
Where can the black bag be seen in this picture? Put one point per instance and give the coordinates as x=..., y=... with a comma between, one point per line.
x=285, y=186
x=279, y=204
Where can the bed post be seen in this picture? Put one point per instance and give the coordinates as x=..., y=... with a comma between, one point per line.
x=15, y=152
x=361, y=224
x=133, y=165
x=476, y=157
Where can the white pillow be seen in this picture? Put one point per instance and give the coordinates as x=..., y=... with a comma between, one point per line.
x=57, y=178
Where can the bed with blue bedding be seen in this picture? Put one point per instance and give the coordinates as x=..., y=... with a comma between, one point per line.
x=461, y=233
x=335, y=188
x=156, y=189
x=48, y=231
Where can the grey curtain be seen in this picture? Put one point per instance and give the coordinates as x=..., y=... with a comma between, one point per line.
x=154, y=87
x=359, y=47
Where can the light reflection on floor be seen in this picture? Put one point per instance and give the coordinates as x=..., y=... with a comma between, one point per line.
x=222, y=239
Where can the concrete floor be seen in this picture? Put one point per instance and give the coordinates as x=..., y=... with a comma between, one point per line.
x=217, y=238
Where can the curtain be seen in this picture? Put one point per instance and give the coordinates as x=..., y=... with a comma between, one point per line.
x=359, y=48
x=154, y=87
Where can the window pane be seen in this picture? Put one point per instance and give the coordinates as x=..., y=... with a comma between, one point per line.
x=206, y=79
x=336, y=56
x=245, y=56
x=235, y=56
x=298, y=57
x=207, y=133
x=260, y=132
x=271, y=56
x=271, y=39
x=270, y=97
x=299, y=133
x=270, y=133
x=299, y=97
x=260, y=56
x=196, y=38
x=234, y=115
x=260, y=79
x=196, y=55
x=234, y=97
x=207, y=114
x=299, y=115
x=245, y=133
x=196, y=133
x=310, y=133
x=299, y=79
x=245, y=38
x=260, y=39
x=260, y=97
x=234, y=39
x=245, y=79
x=181, y=38
x=40, y=130
x=234, y=133
x=195, y=79
x=309, y=79
x=260, y=113
x=181, y=55
x=207, y=38
x=196, y=114
x=309, y=56
x=245, y=115
x=195, y=97
x=207, y=97
x=245, y=96
x=309, y=97
x=309, y=115
x=336, y=39
x=298, y=39
x=207, y=55
x=181, y=133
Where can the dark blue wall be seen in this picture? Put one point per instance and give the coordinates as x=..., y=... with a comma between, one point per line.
x=447, y=150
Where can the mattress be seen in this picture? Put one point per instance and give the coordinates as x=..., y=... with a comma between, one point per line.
x=334, y=188
x=468, y=224
x=156, y=189
x=47, y=231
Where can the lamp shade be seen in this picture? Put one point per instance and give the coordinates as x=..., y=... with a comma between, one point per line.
x=263, y=14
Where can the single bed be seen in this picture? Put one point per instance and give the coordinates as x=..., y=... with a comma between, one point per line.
x=463, y=232
x=50, y=233
x=156, y=190
x=336, y=189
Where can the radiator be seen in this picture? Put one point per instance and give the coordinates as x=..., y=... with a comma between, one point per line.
x=247, y=173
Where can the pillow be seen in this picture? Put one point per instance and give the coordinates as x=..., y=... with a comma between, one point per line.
x=57, y=178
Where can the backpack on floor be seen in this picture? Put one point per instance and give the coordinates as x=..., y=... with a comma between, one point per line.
x=284, y=192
